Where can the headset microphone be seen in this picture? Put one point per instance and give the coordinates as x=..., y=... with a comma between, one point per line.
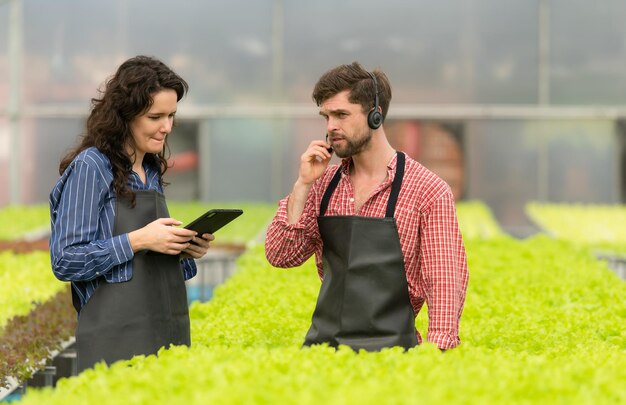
x=374, y=118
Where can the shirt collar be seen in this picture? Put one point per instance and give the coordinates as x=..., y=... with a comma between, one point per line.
x=391, y=166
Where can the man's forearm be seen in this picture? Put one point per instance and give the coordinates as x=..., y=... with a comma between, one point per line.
x=297, y=199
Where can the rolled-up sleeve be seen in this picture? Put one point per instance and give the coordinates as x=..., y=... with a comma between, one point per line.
x=290, y=245
x=76, y=254
x=444, y=271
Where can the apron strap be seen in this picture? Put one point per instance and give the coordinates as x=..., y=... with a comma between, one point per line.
x=393, y=196
x=329, y=191
x=395, y=186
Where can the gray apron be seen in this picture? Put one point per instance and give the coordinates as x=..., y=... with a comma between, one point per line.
x=143, y=314
x=364, y=298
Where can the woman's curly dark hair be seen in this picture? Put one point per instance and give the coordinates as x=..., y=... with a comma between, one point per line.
x=127, y=94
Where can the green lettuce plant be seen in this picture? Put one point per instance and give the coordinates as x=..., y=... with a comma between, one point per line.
x=543, y=323
x=27, y=341
x=18, y=220
x=594, y=225
x=476, y=221
x=25, y=280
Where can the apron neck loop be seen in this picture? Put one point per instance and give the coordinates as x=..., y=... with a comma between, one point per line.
x=329, y=191
x=393, y=196
x=395, y=186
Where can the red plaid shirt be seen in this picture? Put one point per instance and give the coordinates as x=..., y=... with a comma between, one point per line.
x=434, y=255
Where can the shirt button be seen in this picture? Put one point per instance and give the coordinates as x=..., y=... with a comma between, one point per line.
x=352, y=200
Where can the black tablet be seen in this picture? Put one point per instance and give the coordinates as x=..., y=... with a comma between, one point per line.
x=212, y=220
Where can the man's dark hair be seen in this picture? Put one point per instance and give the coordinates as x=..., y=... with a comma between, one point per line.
x=354, y=77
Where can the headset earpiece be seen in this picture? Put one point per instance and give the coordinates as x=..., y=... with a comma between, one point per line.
x=375, y=117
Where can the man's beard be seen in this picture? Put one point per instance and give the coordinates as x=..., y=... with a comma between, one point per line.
x=354, y=146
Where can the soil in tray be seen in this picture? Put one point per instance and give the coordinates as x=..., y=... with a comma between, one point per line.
x=22, y=246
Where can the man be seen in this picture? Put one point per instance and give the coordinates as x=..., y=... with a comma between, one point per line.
x=382, y=227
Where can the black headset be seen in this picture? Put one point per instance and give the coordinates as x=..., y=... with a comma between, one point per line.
x=374, y=118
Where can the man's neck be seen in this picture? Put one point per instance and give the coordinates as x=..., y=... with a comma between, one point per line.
x=373, y=161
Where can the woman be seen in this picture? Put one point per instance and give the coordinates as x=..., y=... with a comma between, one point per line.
x=112, y=237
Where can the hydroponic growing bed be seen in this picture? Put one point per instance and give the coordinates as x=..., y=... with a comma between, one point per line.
x=589, y=225
x=37, y=318
x=543, y=323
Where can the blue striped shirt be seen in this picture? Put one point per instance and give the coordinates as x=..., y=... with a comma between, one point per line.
x=83, y=249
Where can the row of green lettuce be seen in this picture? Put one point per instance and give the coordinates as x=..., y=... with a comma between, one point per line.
x=589, y=224
x=543, y=323
x=36, y=316
x=20, y=289
x=27, y=341
x=26, y=279
x=601, y=227
x=595, y=226
x=19, y=221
